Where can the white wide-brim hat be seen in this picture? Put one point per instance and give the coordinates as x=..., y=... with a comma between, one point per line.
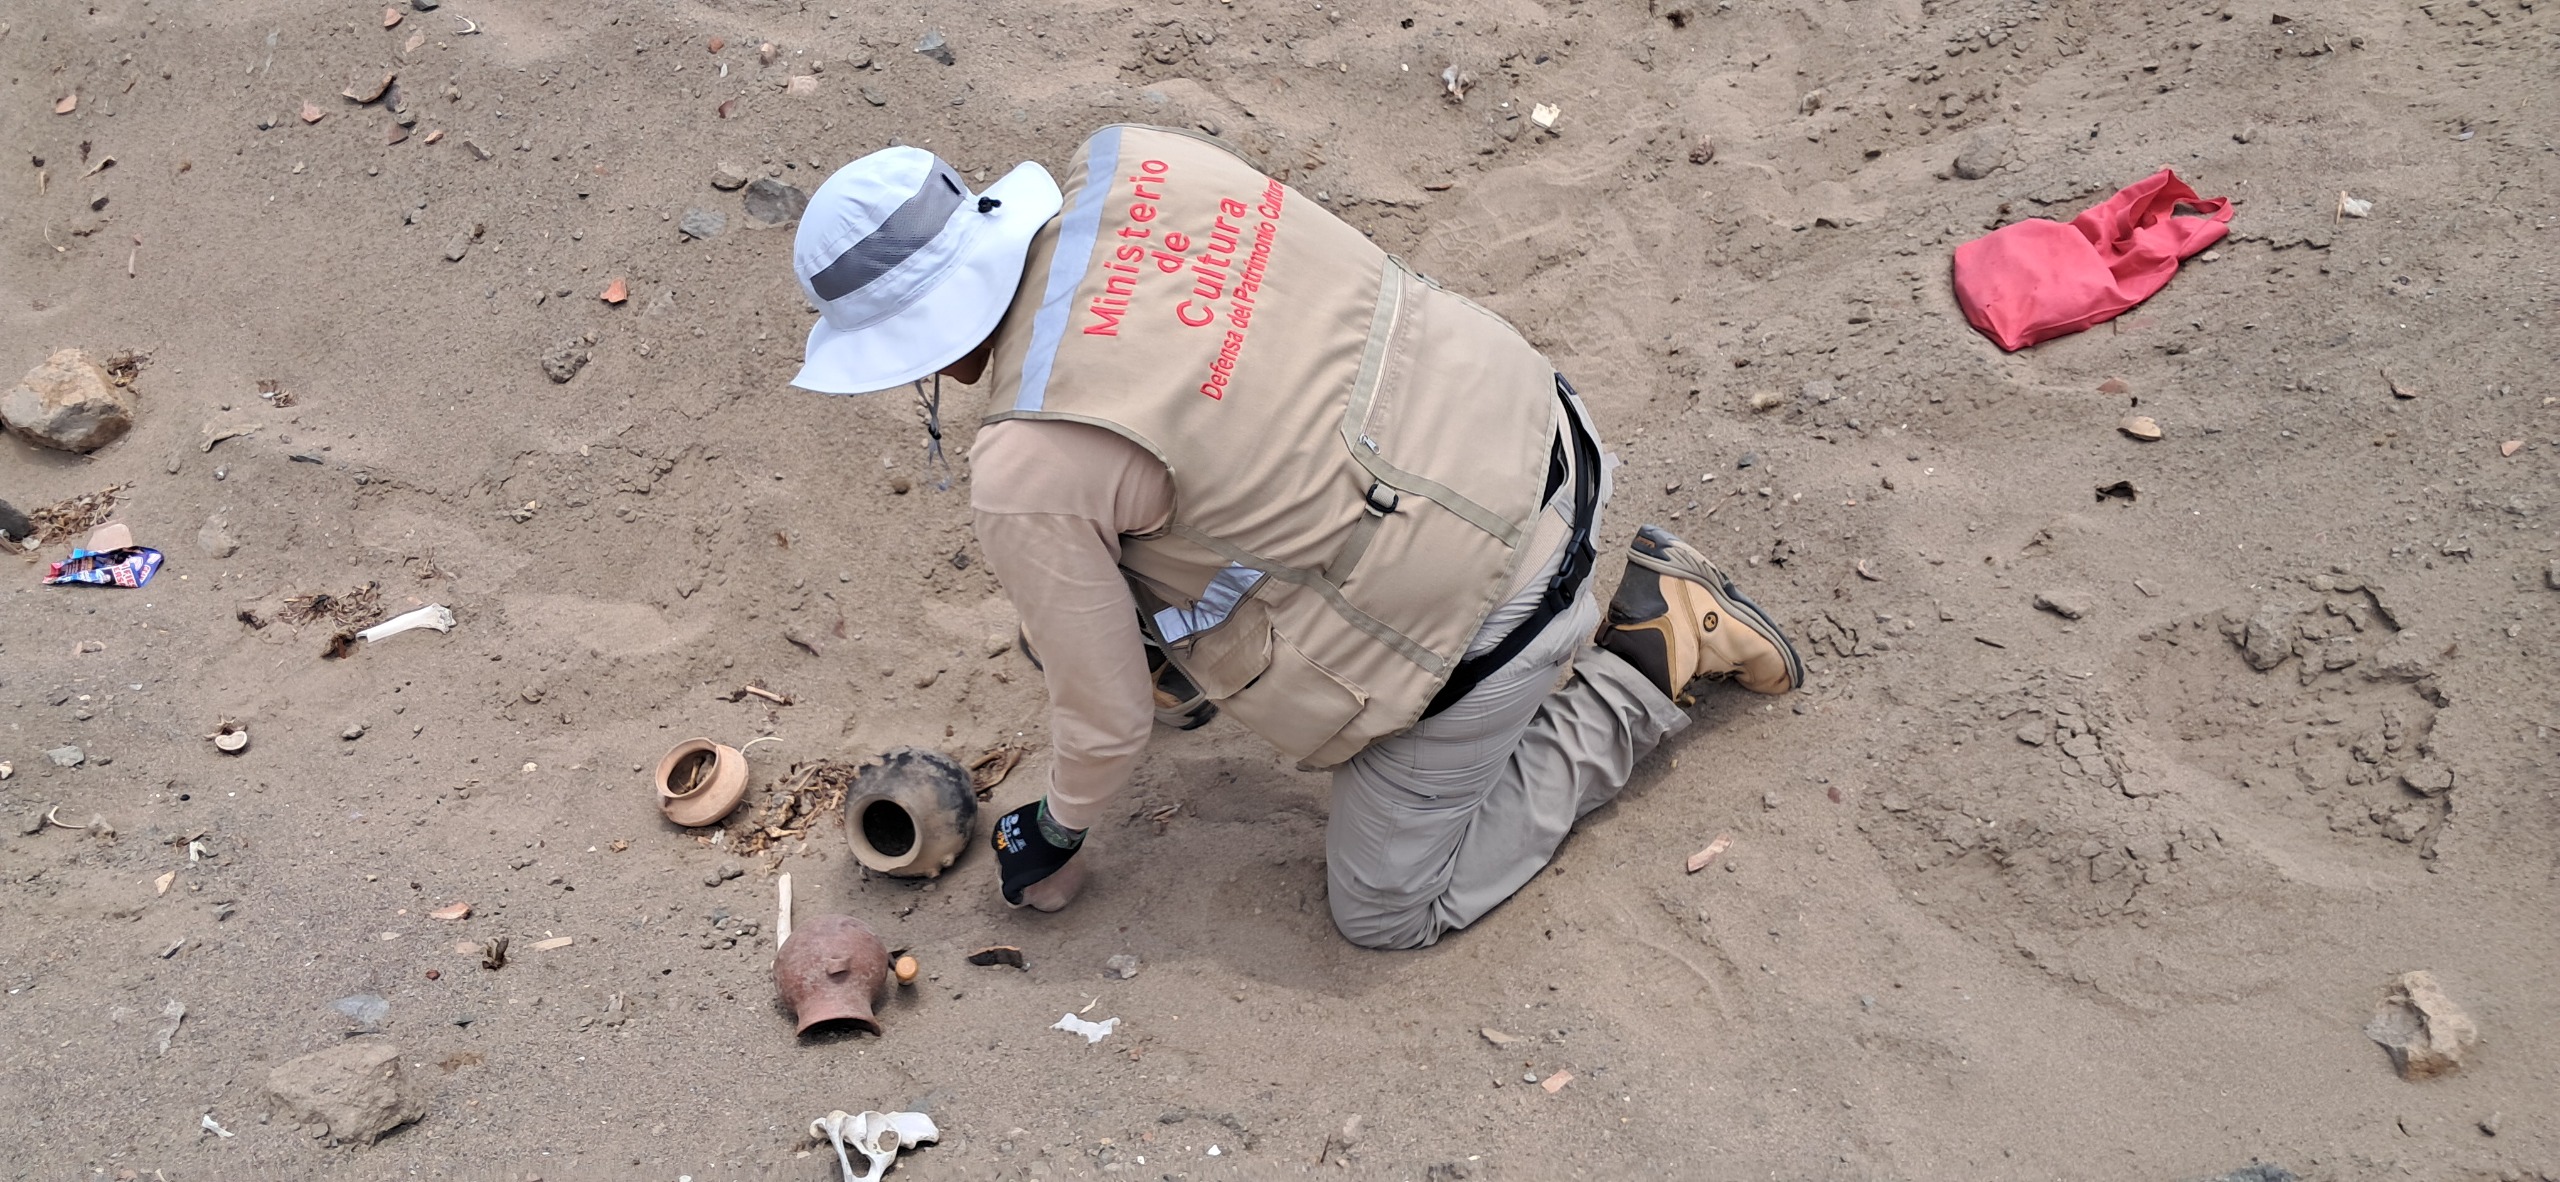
x=907, y=268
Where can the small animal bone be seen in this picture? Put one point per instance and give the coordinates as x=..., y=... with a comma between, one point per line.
x=879, y=1135
x=434, y=615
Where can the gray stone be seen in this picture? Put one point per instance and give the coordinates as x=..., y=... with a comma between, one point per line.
x=67, y=404
x=772, y=203
x=728, y=177
x=565, y=359
x=702, y=223
x=935, y=46
x=873, y=97
x=353, y=1090
x=67, y=756
x=1820, y=391
x=2066, y=603
x=2433, y=779
x=13, y=524
x=2407, y=657
x=1984, y=153
x=2550, y=574
x=365, y=1009
x=214, y=539
x=2257, y=1172
x=425, y=5
x=459, y=245
x=2267, y=639
x=2035, y=734
x=2425, y=1032
x=1120, y=967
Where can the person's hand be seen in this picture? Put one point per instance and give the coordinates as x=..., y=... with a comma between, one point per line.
x=1034, y=851
x=1056, y=891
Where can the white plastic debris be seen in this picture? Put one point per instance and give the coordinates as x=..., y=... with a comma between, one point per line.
x=213, y=1126
x=2354, y=207
x=879, y=1135
x=1093, y=1032
x=1545, y=115
x=434, y=615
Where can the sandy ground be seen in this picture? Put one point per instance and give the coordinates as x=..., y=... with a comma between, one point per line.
x=2008, y=896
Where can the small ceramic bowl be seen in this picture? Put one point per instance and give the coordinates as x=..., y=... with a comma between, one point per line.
x=700, y=781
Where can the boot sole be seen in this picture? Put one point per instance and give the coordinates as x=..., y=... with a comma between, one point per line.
x=1736, y=605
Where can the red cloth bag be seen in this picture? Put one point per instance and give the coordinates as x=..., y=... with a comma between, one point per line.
x=2036, y=280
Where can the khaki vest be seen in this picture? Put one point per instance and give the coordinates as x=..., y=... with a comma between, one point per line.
x=1358, y=456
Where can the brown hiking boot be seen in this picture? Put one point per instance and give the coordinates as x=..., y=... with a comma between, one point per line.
x=1677, y=618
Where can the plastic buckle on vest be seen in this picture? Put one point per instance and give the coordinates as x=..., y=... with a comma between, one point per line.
x=1380, y=506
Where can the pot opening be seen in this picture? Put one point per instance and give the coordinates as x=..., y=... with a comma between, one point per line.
x=842, y=1027
x=691, y=772
x=888, y=828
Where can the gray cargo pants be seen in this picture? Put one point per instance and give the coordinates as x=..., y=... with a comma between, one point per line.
x=1435, y=827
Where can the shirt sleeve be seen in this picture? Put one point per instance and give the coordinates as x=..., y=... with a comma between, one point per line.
x=1050, y=502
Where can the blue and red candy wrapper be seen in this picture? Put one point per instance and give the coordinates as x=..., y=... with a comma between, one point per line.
x=132, y=566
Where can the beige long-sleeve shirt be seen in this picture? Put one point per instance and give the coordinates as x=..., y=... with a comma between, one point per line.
x=1051, y=501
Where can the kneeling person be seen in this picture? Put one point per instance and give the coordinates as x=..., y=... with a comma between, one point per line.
x=1231, y=444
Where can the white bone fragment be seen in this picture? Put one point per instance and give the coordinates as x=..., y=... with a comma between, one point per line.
x=434, y=615
x=879, y=1135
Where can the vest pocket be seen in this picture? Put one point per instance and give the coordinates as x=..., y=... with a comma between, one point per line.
x=1223, y=660
x=1296, y=705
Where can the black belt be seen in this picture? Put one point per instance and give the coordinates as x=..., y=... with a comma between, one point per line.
x=1578, y=555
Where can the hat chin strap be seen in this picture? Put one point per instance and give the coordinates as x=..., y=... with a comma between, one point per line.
x=929, y=410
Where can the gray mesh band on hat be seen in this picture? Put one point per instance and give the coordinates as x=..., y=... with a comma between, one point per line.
x=903, y=233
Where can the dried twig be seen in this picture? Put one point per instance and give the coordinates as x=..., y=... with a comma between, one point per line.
x=75, y=516
x=354, y=607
